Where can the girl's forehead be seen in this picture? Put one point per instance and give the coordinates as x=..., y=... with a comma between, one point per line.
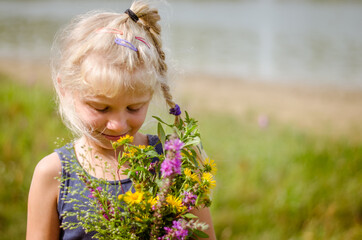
x=125, y=96
x=103, y=75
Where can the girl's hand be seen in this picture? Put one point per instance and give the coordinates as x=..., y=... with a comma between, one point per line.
x=205, y=216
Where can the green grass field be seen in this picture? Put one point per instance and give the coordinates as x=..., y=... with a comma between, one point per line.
x=279, y=182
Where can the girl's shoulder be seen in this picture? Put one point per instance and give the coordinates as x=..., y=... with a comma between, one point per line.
x=49, y=167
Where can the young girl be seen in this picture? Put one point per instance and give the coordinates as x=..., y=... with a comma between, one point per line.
x=107, y=68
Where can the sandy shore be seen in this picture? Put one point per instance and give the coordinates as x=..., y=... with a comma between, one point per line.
x=331, y=111
x=327, y=110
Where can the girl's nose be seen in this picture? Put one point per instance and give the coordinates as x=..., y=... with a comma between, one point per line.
x=117, y=122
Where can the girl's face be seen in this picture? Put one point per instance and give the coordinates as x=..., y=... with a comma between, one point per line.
x=108, y=119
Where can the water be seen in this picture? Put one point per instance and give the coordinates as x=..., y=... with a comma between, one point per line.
x=267, y=40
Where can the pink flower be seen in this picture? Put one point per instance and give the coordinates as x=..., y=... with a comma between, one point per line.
x=170, y=167
x=172, y=164
x=189, y=199
x=177, y=231
x=174, y=145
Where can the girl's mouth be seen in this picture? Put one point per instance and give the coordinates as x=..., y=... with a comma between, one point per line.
x=113, y=137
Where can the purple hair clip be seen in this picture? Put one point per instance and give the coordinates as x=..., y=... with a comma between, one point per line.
x=175, y=110
x=125, y=43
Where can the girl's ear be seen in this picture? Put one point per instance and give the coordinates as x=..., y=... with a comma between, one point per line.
x=61, y=89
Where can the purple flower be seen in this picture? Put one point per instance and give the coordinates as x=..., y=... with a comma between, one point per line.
x=175, y=110
x=172, y=164
x=174, y=145
x=263, y=121
x=177, y=231
x=152, y=167
x=170, y=167
x=189, y=199
x=105, y=216
x=93, y=192
x=167, y=168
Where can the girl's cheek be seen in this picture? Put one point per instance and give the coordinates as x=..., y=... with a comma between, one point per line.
x=91, y=119
x=141, y=116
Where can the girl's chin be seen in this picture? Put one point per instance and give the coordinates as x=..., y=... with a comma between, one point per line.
x=99, y=142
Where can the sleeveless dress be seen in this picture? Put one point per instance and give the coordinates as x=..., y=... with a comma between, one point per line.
x=71, y=179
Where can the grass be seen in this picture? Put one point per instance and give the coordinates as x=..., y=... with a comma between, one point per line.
x=283, y=183
x=29, y=126
x=278, y=182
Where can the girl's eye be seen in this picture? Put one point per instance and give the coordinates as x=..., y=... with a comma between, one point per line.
x=132, y=109
x=105, y=109
x=98, y=107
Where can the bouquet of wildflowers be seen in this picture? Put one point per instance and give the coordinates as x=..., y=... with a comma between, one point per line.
x=166, y=188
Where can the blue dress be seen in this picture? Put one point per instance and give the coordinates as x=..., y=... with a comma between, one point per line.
x=71, y=179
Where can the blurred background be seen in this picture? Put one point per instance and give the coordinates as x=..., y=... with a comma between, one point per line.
x=276, y=86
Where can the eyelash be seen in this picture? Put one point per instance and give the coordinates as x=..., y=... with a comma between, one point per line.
x=101, y=110
x=107, y=108
x=132, y=110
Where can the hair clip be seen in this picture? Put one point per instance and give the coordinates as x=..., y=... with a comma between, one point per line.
x=109, y=30
x=125, y=43
x=132, y=15
x=143, y=40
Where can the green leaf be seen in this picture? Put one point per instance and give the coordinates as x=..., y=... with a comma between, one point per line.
x=190, y=215
x=192, y=142
x=160, y=120
x=152, y=154
x=191, y=157
x=161, y=134
x=200, y=234
x=122, y=161
x=181, y=123
x=188, y=155
x=187, y=116
x=141, y=169
x=191, y=129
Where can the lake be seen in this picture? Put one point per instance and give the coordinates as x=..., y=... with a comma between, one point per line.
x=304, y=42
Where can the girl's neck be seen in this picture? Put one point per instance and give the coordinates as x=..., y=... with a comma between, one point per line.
x=93, y=158
x=89, y=149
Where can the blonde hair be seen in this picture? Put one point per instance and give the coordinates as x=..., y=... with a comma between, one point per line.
x=89, y=61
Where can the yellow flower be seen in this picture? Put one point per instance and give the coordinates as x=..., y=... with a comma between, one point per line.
x=175, y=202
x=153, y=201
x=210, y=165
x=133, y=198
x=191, y=175
x=125, y=139
x=187, y=172
x=129, y=152
x=195, y=178
x=141, y=218
x=184, y=155
x=208, y=179
x=121, y=141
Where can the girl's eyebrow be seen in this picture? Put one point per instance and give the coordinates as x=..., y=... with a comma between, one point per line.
x=95, y=101
x=139, y=103
x=105, y=102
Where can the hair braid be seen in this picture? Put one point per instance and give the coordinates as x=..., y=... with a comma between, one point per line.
x=148, y=19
